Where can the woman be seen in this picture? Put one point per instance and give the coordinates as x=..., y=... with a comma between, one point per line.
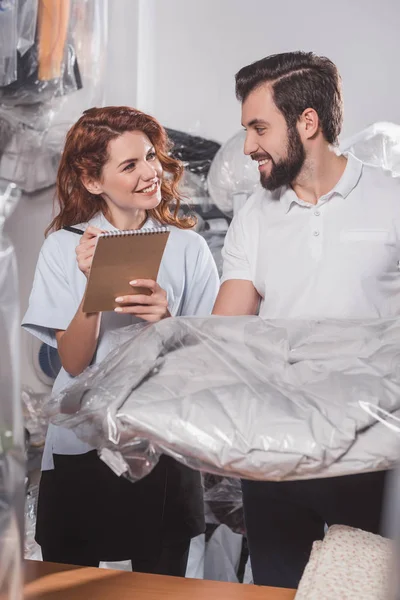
x=115, y=173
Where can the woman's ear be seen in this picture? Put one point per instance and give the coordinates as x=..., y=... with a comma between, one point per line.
x=92, y=186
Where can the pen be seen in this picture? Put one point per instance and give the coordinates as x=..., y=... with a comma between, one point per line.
x=73, y=229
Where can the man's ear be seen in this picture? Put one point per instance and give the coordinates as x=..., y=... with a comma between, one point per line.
x=308, y=123
x=92, y=186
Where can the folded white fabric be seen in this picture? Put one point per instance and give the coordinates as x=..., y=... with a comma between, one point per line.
x=349, y=564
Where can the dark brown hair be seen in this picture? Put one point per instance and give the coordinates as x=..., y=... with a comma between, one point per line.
x=86, y=152
x=299, y=80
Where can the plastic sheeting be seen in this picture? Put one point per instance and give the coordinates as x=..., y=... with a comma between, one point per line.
x=54, y=79
x=223, y=501
x=9, y=41
x=377, y=145
x=17, y=34
x=244, y=397
x=12, y=473
x=197, y=154
x=34, y=421
x=32, y=550
x=233, y=176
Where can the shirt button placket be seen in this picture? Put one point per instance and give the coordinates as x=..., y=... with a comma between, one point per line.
x=316, y=245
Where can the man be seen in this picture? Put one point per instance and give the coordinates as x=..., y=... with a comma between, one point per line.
x=319, y=239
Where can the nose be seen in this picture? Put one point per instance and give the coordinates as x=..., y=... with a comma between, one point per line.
x=250, y=144
x=148, y=171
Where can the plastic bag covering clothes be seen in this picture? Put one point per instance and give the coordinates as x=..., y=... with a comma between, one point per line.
x=49, y=67
x=222, y=555
x=223, y=502
x=9, y=40
x=27, y=16
x=377, y=145
x=40, y=111
x=34, y=419
x=197, y=154
x=244, y=397
x=233, y=176
x=12, y=471
x=194, y=151
x=32, y=550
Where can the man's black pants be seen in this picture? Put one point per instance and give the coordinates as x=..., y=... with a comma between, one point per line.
x=283, y=519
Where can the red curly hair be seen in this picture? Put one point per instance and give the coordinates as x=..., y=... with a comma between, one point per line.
x=86, y=152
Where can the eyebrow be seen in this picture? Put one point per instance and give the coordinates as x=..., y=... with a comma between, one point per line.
x=134, y=160
x=255, y=122
x=128, y=160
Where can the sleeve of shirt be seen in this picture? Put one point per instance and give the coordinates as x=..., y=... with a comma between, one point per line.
x=51, y=302
x=236, y=264
x=203, y=286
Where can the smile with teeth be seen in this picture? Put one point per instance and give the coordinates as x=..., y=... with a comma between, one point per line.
x=148, y=190
x=263, y=162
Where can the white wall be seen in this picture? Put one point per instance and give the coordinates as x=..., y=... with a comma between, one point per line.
x=177, y=60
x=200, y=44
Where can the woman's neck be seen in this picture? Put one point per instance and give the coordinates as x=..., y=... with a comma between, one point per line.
x=127, y=220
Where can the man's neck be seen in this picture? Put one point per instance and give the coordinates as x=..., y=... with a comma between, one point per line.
x=320, y=174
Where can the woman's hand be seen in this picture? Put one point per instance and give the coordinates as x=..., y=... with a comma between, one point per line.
x=85, y=249
x=151, y=308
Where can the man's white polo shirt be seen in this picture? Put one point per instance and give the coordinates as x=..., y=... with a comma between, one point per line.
x=336, y=259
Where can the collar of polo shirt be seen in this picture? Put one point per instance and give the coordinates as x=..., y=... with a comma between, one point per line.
x=348, y=181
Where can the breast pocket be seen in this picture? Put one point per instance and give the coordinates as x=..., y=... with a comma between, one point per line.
x=367, y=252
x=364, y=235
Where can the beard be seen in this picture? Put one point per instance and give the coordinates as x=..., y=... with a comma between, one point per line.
x=287, y=169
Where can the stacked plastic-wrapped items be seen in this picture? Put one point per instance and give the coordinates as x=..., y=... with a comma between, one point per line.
x=377, y=145
x=233, y=176
x=12, y=468
x=52, y=55
x=197, y=155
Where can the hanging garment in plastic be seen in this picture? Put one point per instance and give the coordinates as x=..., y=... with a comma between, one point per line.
x=56, y=78
x=9, y=41
x=194, y=151
x=377, y=145
x=12, y=468
x=47, y=67
x=27, y=18
x=244, y=397
x=233, y=176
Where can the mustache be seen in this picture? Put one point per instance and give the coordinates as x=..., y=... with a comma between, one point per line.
x=258, y=156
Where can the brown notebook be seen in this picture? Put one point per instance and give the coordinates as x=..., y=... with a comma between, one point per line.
x=120, y=257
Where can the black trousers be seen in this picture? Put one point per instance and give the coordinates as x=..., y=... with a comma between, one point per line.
x=283, y=519
x=168, y=560
x=86, y=514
